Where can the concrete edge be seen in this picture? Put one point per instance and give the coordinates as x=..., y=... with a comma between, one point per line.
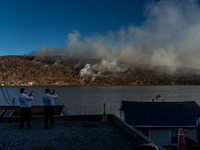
x=97, y=117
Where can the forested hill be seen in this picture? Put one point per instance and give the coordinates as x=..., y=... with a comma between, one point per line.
x=18, y=70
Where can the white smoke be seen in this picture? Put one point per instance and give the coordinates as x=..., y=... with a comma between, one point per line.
x=169, y=36
x=103, y=66
x=46, y=51
x=95, y=75
x=86, y=71
x=108, y=65
x=57, y=62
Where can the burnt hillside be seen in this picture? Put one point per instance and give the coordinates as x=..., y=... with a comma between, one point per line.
x=18, y=70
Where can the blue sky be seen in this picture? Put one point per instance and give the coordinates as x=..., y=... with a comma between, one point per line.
x=27, y=25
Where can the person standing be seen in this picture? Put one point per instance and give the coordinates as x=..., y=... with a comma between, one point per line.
x=48, y=103
x=25, y=108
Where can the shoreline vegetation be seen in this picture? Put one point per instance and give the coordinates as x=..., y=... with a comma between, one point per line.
x=27, y=71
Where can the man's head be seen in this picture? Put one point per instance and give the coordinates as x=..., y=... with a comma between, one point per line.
x=47, y=91
x=23, y=90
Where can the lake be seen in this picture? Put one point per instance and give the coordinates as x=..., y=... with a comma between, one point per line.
x=80, y=100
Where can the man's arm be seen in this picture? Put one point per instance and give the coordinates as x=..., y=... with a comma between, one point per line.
x=26, y=97
x=54, y=96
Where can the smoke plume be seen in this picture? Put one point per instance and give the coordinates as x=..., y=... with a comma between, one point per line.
x=169, y=36
x=103, y=66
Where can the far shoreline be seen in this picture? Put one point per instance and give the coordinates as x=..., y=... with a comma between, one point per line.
x=94, y=85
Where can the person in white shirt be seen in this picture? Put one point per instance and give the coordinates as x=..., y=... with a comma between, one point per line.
x=25, y=108
x=48, y=103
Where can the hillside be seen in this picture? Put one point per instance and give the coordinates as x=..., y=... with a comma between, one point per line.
x=18, y=70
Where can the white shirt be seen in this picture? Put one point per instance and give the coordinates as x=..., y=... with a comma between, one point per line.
x=25, y=100
x=48, y=99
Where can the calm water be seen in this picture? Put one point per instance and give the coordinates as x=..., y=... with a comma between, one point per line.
x=90, y=99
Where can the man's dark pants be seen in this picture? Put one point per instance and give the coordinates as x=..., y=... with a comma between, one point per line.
x=25, y=115
x=48, y=113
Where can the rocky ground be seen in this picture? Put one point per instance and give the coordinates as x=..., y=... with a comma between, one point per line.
x=69, y=135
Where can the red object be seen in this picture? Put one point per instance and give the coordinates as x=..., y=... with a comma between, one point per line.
x=181, y=140
x=104, y=117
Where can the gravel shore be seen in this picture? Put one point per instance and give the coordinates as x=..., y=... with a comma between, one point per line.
x=71, y=135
